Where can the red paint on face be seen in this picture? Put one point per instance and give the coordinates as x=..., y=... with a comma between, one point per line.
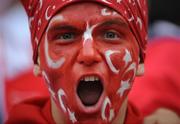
x=65, y=39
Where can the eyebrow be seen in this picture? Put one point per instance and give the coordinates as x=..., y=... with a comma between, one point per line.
x=62, y=27
x=114, y=22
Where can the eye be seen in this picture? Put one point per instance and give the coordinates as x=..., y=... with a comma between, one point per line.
x=111, y=35
x=65, y=37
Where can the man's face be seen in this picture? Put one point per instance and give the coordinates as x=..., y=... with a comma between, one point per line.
x=88, y=58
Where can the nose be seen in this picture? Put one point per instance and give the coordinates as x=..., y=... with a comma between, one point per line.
x=88, y=54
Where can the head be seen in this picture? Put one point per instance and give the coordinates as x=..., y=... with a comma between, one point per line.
x=89, y=55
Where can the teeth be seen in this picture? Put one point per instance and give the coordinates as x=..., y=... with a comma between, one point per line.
x=90, y=78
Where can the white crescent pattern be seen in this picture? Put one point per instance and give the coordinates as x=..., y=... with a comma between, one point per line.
x=108, y=59
x=50, y=62
x=111, y=114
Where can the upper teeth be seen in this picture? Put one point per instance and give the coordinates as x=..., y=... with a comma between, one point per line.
x=90, y=78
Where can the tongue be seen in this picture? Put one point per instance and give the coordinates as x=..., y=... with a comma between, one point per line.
x=89, y=92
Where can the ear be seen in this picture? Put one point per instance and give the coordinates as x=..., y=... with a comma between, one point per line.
x=37, y=70
x=140, y=70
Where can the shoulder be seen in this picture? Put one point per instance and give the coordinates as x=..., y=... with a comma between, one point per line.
x=28, y=112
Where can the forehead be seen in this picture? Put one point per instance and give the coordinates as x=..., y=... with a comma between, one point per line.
x=86, y=11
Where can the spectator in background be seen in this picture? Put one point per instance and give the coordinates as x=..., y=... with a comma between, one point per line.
x=164, y=18
x=15, y=47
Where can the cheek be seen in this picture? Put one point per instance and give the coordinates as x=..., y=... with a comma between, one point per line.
x=117, y=61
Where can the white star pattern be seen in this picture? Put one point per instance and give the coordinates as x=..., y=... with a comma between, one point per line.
x=72, y=116
x=124, y=86
x=127, y=57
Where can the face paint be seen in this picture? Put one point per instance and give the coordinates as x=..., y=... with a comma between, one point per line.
x=110, y=112
x=51, y=63
x=109, y=62
x=124, y=86
x=127, y=58
x=90, y=79
x=51, y=91
x=61, y=94
x=88, y=33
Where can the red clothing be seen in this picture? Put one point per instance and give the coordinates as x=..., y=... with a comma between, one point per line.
x=38, y=111
x=160, y=86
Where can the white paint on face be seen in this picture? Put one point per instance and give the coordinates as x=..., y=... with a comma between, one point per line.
x=111, y=112
x=127, y=57
x=45, y=77
x=61, y=93
x=125, y=85
x=132, y=67
x=52, y=92
x=72, y=116
x=50, y=62
x=108, y=53
x=87, y=36
x=48, y=84
x=104, y=12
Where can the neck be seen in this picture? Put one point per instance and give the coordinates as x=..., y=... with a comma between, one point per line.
x=56, y=114
x=121, y=114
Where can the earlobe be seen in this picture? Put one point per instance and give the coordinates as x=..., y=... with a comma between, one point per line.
x=140, y=70
x=37, y=70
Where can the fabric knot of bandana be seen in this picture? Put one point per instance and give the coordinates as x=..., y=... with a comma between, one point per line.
x=40, y=13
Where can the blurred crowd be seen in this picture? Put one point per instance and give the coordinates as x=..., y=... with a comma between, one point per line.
x=15, y=47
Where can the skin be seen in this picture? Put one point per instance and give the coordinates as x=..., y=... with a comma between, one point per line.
x=78, y=44
x=162, y=116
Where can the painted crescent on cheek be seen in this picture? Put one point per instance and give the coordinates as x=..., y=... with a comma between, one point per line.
x=61, y=93
x=109, y=62
x=51, y=64
x=111, y=111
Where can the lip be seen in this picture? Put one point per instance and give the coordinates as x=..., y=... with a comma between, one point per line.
x=95, y=108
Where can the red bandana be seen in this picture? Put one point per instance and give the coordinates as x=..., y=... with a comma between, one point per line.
x=40, y=13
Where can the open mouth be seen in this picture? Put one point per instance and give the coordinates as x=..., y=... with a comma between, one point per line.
x=89, y=90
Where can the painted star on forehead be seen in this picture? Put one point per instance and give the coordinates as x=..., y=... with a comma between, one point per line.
x=127, y=57
x=72, y=116
x=124, y=86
